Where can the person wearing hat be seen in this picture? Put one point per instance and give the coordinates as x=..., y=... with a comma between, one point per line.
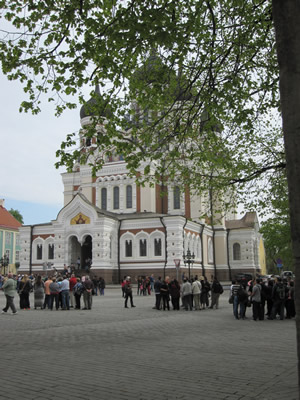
x=128, y=292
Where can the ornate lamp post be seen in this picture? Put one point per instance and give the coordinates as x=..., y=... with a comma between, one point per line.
x=188, y=258
x=4, y=261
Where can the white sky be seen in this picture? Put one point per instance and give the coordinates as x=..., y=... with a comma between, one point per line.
x=28, y=146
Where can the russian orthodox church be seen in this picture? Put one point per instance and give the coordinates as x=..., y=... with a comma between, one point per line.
x=123, y=228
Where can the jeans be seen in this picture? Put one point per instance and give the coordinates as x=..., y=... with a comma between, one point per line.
x=54, y=296
x=157, y=300
x=65, y=299
x=187, y=302
x=9, y=303
x=128, y=295
x=236, y=307
x=87, y=298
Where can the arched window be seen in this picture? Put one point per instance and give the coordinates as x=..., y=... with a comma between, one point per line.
x=143, y=248
x=236, y=251
x=176, y=194
x=128, y=248
x=39, y=252
x=51, y=251
x=104, y=199
x=157, y=247
x=129, y=196
x=116, y=198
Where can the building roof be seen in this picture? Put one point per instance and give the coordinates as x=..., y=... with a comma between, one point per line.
x=249, y=220
x=7, y=221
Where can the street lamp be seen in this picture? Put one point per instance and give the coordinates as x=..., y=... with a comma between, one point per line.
x=4, y=261
x=188, y=258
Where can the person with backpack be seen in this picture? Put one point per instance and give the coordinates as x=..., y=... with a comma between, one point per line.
x=77, y=291
x=279, y=295
x=216, y=291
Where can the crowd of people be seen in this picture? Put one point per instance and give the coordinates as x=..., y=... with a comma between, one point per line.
x=273, y=298
x=269, y=299
x=195, y=293
x=60, y=291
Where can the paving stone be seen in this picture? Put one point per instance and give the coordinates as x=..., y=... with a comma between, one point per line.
x=140, y=354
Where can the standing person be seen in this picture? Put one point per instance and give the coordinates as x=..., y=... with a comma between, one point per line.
x=47, y=300
x=290, y=301
x=24, y=291
x=152, y=283
x=123, y=286
x=256, y=300
x=157, y=286
x=234, y=288
x=9, y=287
x=65, y=290
x=72, y=283
x=101, y=286
x=175, y=294
x=216, y=291
x=88, y=287
x=164, y=289
x=187, y=294
x=196, y=290
x=128, y=292
x=279, y=296
x=95, y=281
x=77, y=290
x=205, y=289
x=78, y=262
x=39, y=291
x=54, y=294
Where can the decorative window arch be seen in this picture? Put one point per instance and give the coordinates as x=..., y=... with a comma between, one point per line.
x=176, y=198
x=104, y=198
x=50, y=251
x=128, y=248
x=39, y=251
x=116, y=198
x=236, y=252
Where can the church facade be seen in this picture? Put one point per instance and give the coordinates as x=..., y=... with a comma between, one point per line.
x=128, y=229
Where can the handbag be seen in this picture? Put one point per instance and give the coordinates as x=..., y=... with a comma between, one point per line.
x=230, y=300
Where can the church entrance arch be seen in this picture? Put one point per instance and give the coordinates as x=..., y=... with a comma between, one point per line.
x=79, y=253
x=86, y=251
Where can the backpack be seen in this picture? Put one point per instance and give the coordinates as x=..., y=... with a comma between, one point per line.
x=242, y=294
x=281, y=292
x=78, y=289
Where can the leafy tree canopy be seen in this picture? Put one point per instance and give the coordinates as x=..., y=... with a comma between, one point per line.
x=191, y=86
x=276, y=230
x=17, y=215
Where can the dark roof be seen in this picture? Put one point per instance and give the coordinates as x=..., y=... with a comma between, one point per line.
x=96, y=106
x=249, y=220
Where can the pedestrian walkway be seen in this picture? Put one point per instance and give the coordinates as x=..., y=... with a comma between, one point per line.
x=140, y=353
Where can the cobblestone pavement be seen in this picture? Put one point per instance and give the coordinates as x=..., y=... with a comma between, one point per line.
x=140, y=353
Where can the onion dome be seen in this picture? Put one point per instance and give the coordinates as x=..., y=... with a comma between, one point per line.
x=96, y=106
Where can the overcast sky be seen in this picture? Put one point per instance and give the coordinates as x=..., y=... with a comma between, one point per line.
x=29, y=181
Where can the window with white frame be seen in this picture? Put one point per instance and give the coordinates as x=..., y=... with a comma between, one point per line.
x=39, y=251
x=7, y=238
x=50, y=251
x=210, y=251
x=129, y=196
x=17, y=255
x=128, y=248
x=17, y=240
x=176, y=198
x=236, y=251
x=116, y=198
x=104, y=199
x=143, y=248
x=157, y=247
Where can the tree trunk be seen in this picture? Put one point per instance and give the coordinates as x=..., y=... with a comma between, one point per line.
x=286, y=14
